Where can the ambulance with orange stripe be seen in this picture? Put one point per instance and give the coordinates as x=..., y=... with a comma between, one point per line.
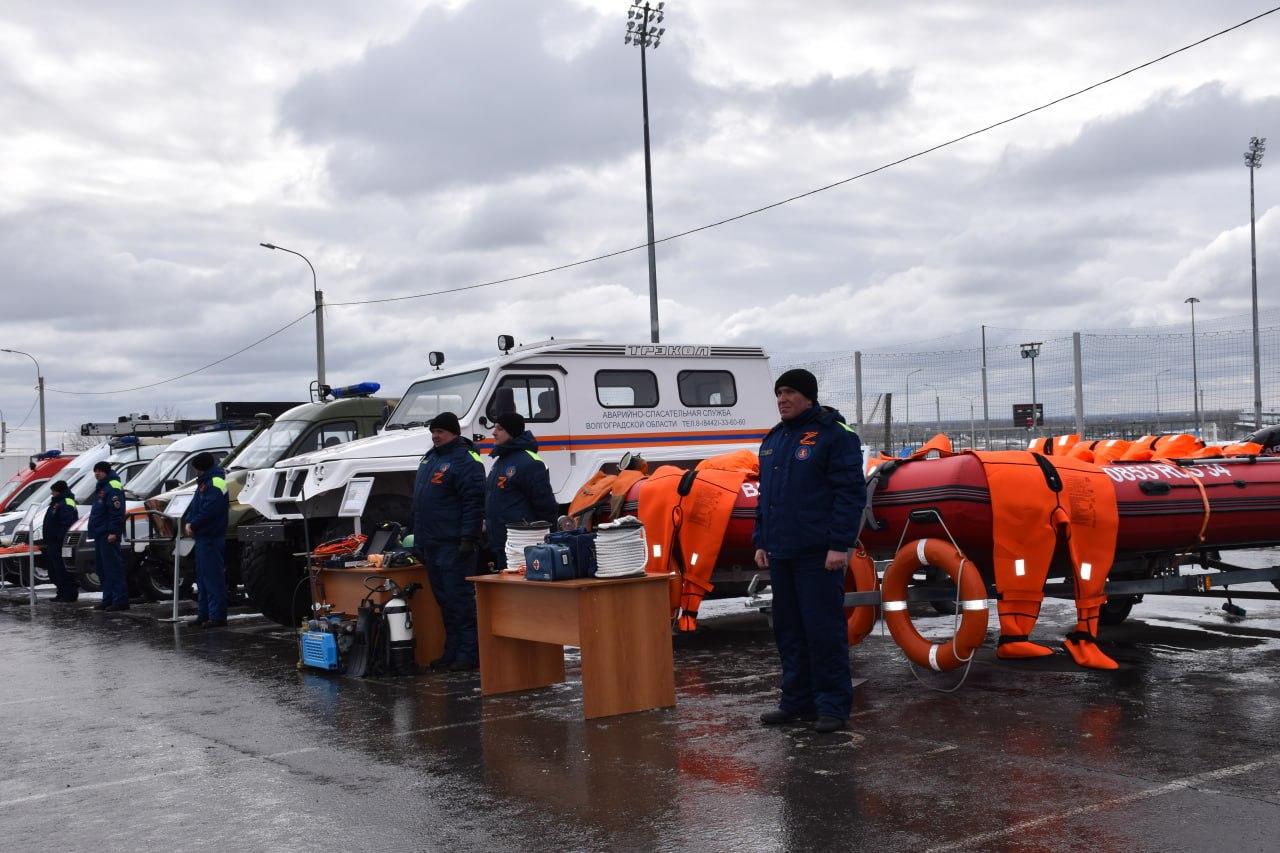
x=588, y=403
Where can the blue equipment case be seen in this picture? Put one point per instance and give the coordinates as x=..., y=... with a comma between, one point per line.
x=582, y=550
x=550, y=562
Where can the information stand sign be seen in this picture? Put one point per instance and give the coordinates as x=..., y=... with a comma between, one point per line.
x=175, y=510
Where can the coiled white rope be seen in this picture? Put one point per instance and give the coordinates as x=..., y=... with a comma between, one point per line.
x=621, y=548
x=518, y=537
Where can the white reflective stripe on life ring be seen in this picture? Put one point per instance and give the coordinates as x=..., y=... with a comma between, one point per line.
x=933, y=657
x=920, y=552
x=974, y=604
x=892, y=606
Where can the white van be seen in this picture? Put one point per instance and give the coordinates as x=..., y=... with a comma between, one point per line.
x=586, y=402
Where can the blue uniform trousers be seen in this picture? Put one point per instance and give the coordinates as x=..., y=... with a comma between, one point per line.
x=110, y=565
x=456, y=597
x=813, y=641
x=62, y=579
x=211, y=578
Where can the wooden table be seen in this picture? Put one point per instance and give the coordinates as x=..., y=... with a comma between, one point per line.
x=623, y=627
x=344, y=589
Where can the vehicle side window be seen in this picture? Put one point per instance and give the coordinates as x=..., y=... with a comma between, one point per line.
x=627, y=389
x=329, y=435
x=535, y=398
x=126, y=472
x=707, y=388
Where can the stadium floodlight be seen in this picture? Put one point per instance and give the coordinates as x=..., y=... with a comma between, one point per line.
x=642, y=32
x=1253, y=160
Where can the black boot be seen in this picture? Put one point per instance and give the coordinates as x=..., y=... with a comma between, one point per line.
x=779, y=717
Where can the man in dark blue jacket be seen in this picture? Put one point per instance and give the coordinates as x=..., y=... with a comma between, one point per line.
x=206, y=522
x=106, y=527
x=58, y=519
x=812, y=494
x=448, y=514
x=518, y=490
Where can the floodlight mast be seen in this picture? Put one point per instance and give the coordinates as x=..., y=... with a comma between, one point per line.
x=643, y=32
x=1253, y=160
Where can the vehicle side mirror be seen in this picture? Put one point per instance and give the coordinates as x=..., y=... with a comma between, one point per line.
x=170, y=485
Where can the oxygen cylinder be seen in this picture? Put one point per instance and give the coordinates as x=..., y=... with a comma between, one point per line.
x=400, y=643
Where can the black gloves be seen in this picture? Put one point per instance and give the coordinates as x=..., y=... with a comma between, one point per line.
x=467, y=547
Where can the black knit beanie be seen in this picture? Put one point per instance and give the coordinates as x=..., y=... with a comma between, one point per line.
x=799, y=379
x=446, y=421
x=512, y=422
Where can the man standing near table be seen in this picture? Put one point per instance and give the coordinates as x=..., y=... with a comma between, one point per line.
x=812, y=495
x=519, y=488
x=448, y=513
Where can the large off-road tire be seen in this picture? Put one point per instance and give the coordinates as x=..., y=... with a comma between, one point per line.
x=88, y=581
x=274, y=581
x=1116, y=609
x=380, y=508
x=154, y=579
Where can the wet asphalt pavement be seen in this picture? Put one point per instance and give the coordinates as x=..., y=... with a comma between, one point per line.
x=125, y=733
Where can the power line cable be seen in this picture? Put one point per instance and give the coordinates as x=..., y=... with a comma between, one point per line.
x=825, y=187
x=35, y=399
x=243, y=349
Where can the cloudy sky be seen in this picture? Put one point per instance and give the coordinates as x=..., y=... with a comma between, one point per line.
x=149, y=146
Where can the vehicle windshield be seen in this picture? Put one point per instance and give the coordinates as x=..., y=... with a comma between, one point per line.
x=12, y=486
x=35, y=495
x=270, y=446
x=428, y=398
x=150, y=479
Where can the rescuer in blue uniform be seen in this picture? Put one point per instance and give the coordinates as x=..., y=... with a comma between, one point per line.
x=448, y=514
x=518, y=490
x=58, y=519
x=106, y=526
x=206, y=522
x=812, y=495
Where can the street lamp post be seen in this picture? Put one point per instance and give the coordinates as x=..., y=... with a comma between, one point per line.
x=973, y=425
x=1253, y=159
x=643, y=33
x=39, y=388
x=4, y=433
x=937, y=407
x=909, y=375
x=1032, y=351
x=319, y=294
x=1195, y=369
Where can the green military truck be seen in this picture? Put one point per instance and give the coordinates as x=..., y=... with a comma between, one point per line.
x=300, y=430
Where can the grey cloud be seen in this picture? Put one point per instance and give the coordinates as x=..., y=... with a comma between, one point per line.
x=829, y=101
x=426, y=112
x=1200, y=131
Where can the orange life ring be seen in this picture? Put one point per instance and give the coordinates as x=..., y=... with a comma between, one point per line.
x=860, y=577
x=940, y=657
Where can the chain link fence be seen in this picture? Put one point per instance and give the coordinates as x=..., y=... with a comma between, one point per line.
x=1108, y=383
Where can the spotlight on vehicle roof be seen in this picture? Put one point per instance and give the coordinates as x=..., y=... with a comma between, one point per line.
x=506, y=343
x=435, y=359
x=360, y=389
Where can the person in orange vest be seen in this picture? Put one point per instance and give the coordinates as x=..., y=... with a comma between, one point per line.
x=812, y=496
